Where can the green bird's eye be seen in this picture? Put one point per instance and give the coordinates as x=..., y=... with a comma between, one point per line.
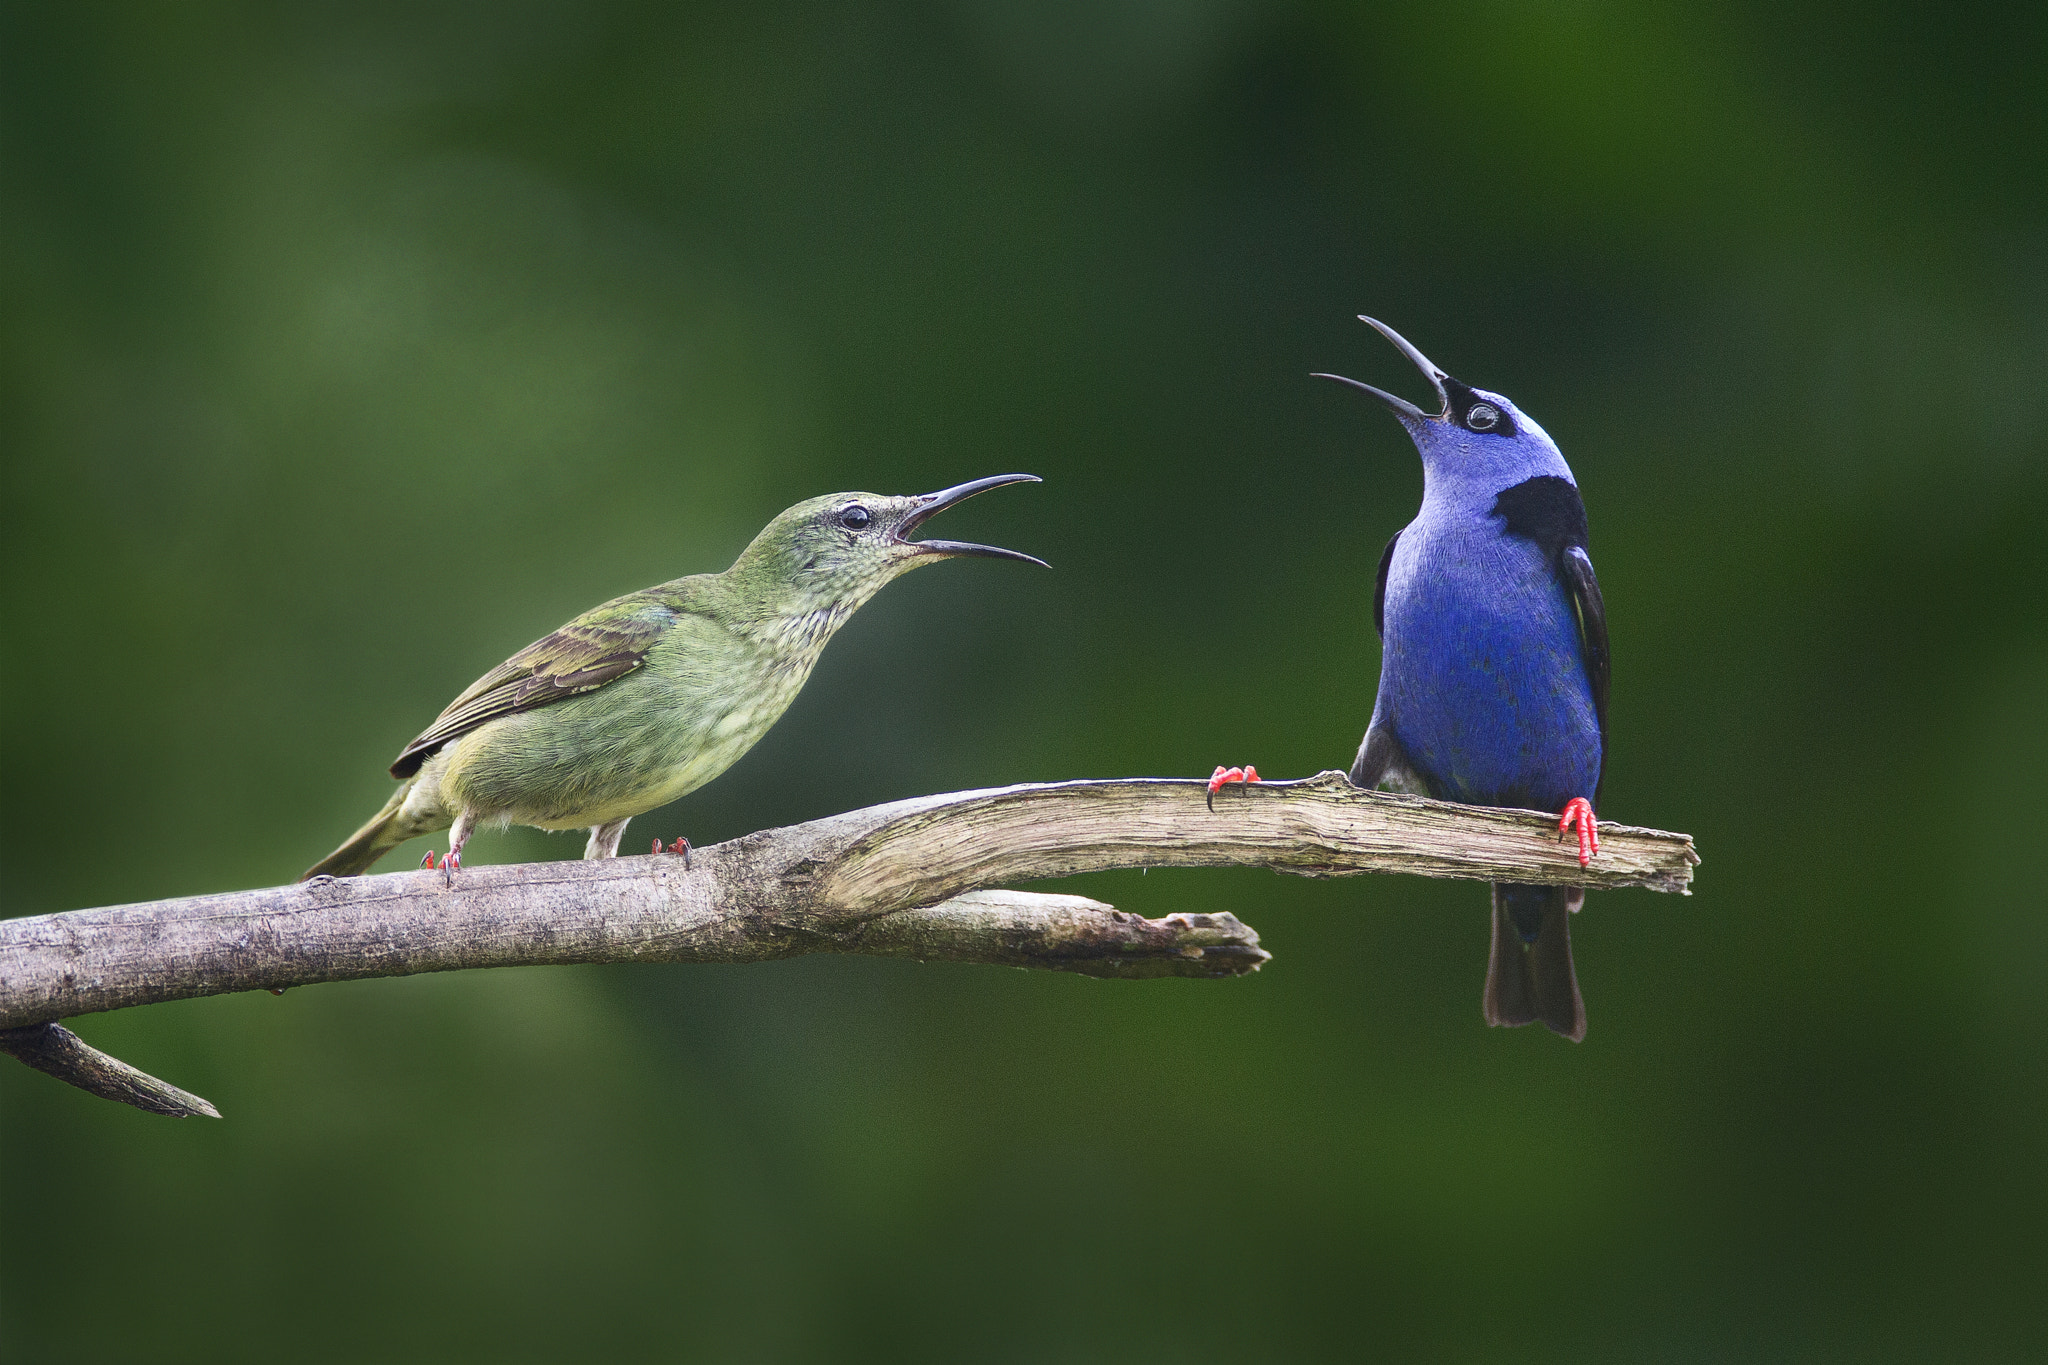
x=855, y=518
x=1483, y=417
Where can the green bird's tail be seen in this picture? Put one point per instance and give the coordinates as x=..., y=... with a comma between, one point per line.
x=386, y=830
x=1530, y=976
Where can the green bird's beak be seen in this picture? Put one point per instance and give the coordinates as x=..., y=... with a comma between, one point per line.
x=931, y=504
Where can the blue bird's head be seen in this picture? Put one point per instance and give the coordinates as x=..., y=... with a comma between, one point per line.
x=1477, y=445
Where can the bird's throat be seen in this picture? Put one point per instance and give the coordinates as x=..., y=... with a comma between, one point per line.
x=799, y=637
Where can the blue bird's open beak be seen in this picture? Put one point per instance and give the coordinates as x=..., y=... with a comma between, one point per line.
x=931, y=504
x=1430, y=371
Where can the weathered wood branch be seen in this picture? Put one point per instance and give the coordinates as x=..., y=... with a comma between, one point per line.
x=57, y=1051
x=906, y=879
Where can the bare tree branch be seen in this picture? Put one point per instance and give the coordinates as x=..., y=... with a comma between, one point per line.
x=56, y=1050
x=887, y=880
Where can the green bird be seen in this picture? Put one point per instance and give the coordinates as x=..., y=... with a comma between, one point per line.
x=653, y=694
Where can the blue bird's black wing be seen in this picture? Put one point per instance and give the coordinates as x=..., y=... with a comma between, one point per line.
x=1548, y=511
x=1381, y=759
x=1379, y=588
x=1576, y=568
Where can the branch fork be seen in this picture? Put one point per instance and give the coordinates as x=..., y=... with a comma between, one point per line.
x=907, y=879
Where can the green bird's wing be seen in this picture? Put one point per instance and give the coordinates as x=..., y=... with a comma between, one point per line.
x=600, y=646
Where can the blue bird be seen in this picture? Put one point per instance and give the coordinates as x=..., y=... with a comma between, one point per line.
x=1494, y=664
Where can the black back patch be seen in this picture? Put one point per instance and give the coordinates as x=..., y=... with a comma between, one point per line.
x=1547, y=510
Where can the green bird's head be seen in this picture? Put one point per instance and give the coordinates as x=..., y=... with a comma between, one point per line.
x=832, y=554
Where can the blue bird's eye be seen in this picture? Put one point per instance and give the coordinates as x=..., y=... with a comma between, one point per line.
x=1483, y=417
x=855, y=518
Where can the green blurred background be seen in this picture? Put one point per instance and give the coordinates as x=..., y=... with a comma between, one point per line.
x=347, y=347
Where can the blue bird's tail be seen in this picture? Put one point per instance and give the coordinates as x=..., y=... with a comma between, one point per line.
x=1529, y=976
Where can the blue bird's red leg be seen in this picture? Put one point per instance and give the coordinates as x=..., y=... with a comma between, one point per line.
x=1579, y=811
x=1223, y=776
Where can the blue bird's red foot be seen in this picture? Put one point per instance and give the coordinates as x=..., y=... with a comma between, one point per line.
x=1223, y=776
x=1579, y=811
x=681, y=845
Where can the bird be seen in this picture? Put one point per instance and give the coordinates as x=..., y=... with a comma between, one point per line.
x=1494, y=662
x=651, y=695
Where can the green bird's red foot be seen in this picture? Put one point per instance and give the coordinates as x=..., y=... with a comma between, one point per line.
x=449, y=864
x=681, y=845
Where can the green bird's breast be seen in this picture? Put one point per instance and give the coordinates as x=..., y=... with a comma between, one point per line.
x=700, y=701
